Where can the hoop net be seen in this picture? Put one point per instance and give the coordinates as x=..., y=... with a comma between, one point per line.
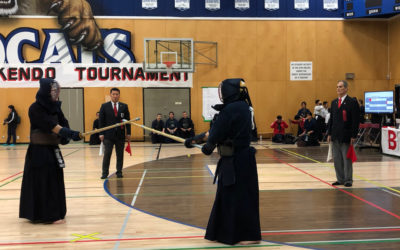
x=169, y=65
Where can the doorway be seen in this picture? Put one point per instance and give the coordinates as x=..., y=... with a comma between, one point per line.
x=164, y=100
x=72, y=107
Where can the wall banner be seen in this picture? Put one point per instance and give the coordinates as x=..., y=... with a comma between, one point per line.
x=242, y=5
x=73, y=75
x=331, y=5
x=271, y=5
x=213, y=5
x=301, y=5
x=182, y=5
x=149, y=4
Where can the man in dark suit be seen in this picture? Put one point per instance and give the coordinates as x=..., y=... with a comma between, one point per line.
x=111, y=113
x=342, y=132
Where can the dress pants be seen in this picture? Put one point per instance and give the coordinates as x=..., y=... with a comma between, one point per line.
x=119, y=150
x=343, y=165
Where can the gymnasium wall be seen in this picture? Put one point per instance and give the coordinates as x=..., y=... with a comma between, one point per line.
x=259, y=51
x=394, y=51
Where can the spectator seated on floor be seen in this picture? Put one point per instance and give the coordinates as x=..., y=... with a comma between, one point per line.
x=186, y=126
x=157, y=124
x=279, y=126
x=300, y=123
x=309, y=137
x=171, y=127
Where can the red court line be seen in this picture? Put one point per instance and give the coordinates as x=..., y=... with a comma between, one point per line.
x=197, y=236
x=340, y=189
x=107, y=240
x=334, y=231
x=11, y=176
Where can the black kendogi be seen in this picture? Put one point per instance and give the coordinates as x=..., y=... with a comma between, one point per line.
x=186, y=123
x=42, y=192
x=235, y=213
x=171, y=124
x=157, y=125
x=94, y=138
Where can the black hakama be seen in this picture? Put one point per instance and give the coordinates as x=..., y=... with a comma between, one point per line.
x=42, y=191
x=235, y=214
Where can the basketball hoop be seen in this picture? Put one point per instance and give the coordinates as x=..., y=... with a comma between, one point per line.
x=169, y=65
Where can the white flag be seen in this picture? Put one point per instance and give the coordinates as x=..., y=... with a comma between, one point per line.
x=101, y=149
x=329, y=157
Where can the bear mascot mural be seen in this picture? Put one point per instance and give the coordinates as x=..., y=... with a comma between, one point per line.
x=74, y=16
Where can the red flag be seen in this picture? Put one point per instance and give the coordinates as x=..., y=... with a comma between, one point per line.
x=128, y=148
x=351, y=154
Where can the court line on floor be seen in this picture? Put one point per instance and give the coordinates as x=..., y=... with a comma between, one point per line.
x=294, y=244
x=209, y=170
x=172, y=220
x=12, y=176
x=342, y=242
x=8, y=182
x=389, y=192
x=23, y=172
x=330, y=165
x=331, y=229
x=158, y=153
x=130, y=210
x=338, y=188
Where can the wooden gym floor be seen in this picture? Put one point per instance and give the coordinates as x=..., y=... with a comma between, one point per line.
x=165, y=197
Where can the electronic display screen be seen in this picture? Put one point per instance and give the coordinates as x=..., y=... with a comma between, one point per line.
x=379, y=102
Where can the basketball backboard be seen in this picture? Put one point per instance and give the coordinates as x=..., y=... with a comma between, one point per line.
x=168, y=54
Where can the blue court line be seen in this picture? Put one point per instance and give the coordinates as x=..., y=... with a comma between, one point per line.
x=183, y=223
x=209, y=170
x=130, y=210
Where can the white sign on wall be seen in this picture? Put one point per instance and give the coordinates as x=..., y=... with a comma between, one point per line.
x=210, y=98
x=300, y=71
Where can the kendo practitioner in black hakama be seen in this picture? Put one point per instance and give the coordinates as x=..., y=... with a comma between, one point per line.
x=94, y=138
x=186, y=126
x=171, y=127
x=235, y=214
x=157, y=124
x=43, y=192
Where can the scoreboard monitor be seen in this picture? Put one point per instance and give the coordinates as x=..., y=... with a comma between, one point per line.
x=378, y=102
x=370, y=8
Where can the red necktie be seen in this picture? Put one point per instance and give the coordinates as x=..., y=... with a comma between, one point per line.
x=115, y=110
x=340, y=102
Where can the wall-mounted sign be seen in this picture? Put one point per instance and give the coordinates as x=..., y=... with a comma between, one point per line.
x=300, y=71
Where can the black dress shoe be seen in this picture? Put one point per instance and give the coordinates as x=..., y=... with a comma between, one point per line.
x=348, y=184
x=336, y=183
x=103, y=177
x=119, y=176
